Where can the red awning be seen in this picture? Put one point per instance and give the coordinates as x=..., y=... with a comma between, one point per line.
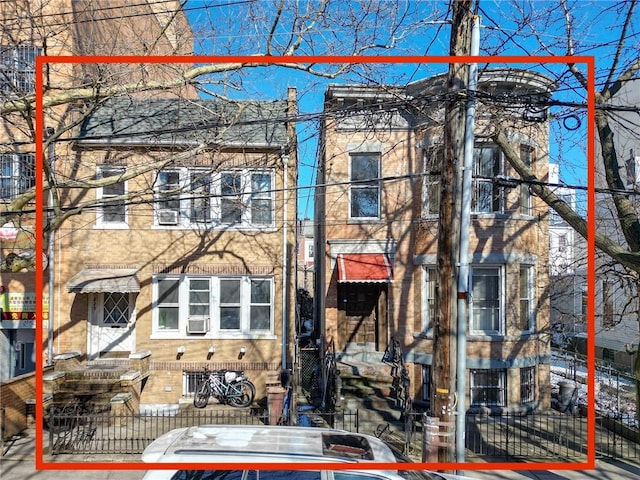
x=364, y=267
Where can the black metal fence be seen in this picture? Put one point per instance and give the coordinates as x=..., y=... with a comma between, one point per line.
x=87, y=432
x=534, y=437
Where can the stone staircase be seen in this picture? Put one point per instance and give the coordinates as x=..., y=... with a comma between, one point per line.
x=366, y=387
x=110, y=385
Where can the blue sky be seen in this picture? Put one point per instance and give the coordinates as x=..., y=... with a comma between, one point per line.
x=431, y=35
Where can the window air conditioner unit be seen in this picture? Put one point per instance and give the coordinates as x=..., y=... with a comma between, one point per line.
x=197, y=325
x=167, y=217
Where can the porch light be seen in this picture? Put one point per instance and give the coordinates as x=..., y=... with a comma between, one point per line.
x=181, y=350
x=212, y=349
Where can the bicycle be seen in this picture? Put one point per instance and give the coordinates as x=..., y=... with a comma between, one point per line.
x=229, y=387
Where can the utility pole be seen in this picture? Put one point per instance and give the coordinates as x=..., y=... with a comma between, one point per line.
x=443, y=372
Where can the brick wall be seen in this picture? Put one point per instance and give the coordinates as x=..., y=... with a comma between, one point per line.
x=13, y=396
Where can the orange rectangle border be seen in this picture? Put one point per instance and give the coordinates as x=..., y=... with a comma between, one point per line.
x=251, y=60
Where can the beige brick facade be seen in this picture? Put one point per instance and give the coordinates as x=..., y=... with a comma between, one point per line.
x=512, y=238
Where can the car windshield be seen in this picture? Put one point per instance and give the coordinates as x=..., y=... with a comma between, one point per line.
x=246, y=475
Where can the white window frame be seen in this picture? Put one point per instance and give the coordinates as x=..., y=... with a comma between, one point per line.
x=214, y=332
x=186, y=196
x=501, y=300
x=18, y=182
x=501, y=386
x=528, y=297
x=101, y=221
x=372, y=184
x=431, y=182
x=489, y=179
x=428, y=299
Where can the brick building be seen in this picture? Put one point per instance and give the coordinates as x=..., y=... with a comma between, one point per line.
x=188, y=251
x=377, y=216
x=60, y=28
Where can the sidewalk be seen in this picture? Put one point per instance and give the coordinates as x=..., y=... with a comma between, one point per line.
x=19, y=464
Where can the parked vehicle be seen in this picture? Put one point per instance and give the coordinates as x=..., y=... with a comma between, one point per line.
x=229, y=387
x=249, y=446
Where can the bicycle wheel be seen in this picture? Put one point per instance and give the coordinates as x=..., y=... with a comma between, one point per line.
x=242, y=394
x=201, y=398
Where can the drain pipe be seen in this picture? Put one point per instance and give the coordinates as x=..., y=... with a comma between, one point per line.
x=51, y=154
x=285, y=262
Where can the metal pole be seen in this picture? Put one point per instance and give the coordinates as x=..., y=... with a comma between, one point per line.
x=463, y=252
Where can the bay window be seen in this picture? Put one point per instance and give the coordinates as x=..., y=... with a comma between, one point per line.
x=213, y=306
x=240, y=198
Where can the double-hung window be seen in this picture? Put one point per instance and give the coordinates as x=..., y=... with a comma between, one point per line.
x=432, y=160
x=365, y=185
x=488, y=387
x=200, y=193
x=429, y=296
x=486, y=300
x=17, y=174
x=526, y=284
x=17, y=68
x=167, y=304
x=112, y=210
x=168, y=186
x=488, y=196
x=213, y=306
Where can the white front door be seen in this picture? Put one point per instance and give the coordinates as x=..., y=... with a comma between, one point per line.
x=111, y=324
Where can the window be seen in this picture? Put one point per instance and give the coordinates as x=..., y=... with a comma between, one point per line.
x=115, y=310
x=112, y=209
x=217, y=307
x=487, y=195
x=431, y=182
x=488, y=387
x=242, y=198
x=526, y=315
x=526, y=155
x=231, y=197
x=167, y=304
x=200, y=188
x=168, y=197
x=17, y=174
x=18, y=68
x=527, y=384
x=429, y=295
x=261, y=201
x=425, y=390
x=607, y=305
x=365, y=185
x=486, y=300
x=230, y=304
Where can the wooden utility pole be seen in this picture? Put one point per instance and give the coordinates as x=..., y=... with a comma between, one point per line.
x=443, y=372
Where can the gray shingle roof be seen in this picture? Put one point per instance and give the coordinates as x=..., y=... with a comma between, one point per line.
x=169, y=122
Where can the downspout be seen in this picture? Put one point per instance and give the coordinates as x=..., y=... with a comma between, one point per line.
x=285, y=259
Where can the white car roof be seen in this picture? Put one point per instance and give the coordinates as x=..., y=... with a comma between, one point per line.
x=264, y=444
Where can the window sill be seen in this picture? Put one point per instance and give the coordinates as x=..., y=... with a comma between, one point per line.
x=211, y=336
x=205, y=228
x=111, y=226
x=358, y=221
